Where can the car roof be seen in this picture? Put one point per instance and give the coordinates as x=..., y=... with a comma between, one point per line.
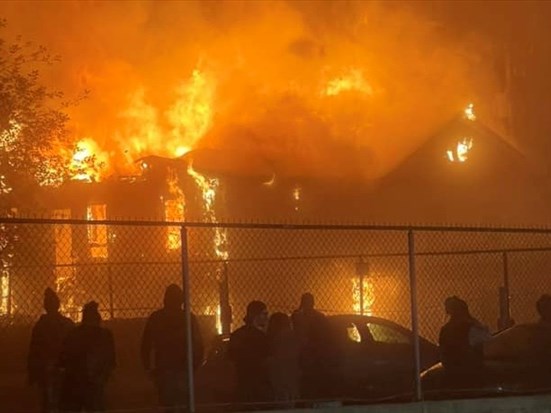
x=357, y=318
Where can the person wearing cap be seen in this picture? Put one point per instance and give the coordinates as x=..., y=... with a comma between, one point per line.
x=87, y=358
x=46, y=339
x=163, y=349
x=460, y=341
x=249, y=350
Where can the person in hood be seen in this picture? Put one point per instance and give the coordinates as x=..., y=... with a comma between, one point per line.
x=318, y=356
x=87, y=358
x=44, y=349
x=163, y=350
x=461, y=343
x=249, y=350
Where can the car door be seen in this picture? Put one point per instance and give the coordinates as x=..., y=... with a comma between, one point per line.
x=391, y=354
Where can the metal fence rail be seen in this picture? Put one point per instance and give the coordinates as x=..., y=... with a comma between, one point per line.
x=399, y=273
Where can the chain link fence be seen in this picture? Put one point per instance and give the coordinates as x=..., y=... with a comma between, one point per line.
x=125, y=266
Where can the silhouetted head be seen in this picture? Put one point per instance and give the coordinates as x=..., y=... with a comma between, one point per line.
x=456, y=307
x=174, y=297
x=307, y=302
x=543, y=305
x=51, y=301
x=278, y=323
x=257, y=315
x=90, y=314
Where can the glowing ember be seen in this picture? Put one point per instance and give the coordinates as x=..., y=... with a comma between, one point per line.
x=174, y=210
x=297, y=192
x=368, y=296
x=469, y=112
x=461, y=152
x=353, y=81
x=97, y=234
x=209, y=187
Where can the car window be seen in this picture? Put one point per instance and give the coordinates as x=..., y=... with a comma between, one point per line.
x=386, y=334
x=353, y=333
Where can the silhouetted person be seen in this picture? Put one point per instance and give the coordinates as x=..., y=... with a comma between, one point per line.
x=543, y=306
x=46, y=341
x=163, y=350
x=541, y=355
x=284, y=360
x=461, y=344
x=317, y=354
x=88, y=358
x=249, y=350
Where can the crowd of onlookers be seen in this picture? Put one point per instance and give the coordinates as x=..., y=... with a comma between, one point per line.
x=278, y=358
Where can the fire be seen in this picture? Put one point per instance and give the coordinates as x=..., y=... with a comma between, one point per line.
x=192, y=114
x=469, y=112
x=461, y=152
x=297, y=192
x=174, y=210
x=97, y=234
x=4, y=292
x=148, y=131
x=216, y=311
x=352, y=81
x=209, y=187
x=368, y=296
x=88, y=161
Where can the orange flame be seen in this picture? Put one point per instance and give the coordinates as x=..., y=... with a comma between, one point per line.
x=174, y=210
x=209, y=187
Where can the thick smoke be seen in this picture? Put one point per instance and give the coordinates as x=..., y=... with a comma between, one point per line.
x=310, y=88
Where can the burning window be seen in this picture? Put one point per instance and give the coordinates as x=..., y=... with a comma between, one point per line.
x=461, y=152
x=97, y=234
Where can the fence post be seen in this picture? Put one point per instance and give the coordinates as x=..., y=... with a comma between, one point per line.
x=504, y=294
x=9, y=299
x=224, y=301
x=361, y=293
x=187, y=312
x=414, y=316
x=110, y=281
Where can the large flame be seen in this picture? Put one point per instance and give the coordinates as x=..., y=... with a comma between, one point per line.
x=302, y=85
x=209, y=187
x=88, y=162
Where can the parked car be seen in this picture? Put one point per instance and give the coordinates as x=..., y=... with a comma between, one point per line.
x=516, y=361
x=375, y=359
